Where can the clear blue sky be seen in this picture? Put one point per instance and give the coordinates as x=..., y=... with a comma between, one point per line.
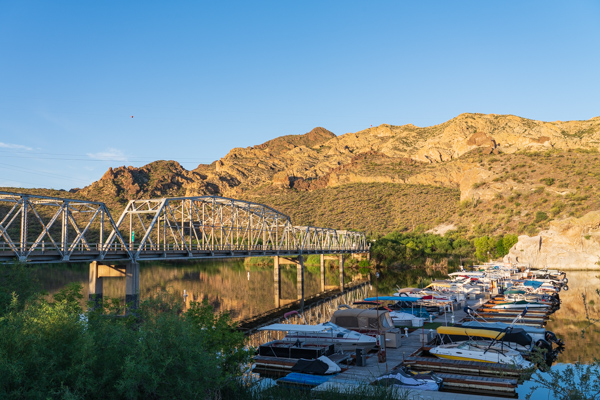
x=200, y=78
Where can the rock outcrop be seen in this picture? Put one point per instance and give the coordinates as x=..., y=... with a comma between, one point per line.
x=318, y=159
x=572, y=243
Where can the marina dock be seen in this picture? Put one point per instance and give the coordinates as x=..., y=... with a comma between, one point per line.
x=462, y=379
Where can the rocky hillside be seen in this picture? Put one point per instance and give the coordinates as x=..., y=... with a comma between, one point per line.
x=482, y=174
x=571, y=243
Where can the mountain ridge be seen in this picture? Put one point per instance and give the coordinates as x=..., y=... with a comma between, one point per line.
x=484, y=165
x=288, y=159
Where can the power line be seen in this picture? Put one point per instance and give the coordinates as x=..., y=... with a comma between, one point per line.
x=77, y=157
x=142, y=160
x=36, y=172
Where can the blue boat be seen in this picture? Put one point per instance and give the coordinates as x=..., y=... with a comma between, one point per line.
x=305, y=380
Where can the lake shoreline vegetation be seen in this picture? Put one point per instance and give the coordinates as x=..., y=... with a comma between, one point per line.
x=158, y=351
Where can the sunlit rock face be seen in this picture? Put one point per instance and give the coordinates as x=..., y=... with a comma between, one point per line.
x=320, y=155
x=569, y=244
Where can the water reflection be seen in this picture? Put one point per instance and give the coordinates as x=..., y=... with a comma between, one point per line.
x=229, y=285
x=570, y=319
x=247, y=291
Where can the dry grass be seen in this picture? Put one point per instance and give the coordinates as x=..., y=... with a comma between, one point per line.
x=375, y=208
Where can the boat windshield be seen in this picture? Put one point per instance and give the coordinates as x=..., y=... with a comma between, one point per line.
x=387, y=321
x=337, y=328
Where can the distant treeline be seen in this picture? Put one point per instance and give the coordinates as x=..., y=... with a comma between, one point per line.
x=413, y=249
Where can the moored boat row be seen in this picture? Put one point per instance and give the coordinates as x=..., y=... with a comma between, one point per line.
x=507, y=330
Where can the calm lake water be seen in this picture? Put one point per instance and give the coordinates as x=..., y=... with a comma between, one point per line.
x=246, y=291
x=569, y=321
x=228, y=285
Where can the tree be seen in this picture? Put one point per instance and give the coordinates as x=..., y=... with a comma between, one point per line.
x=509, y=241
x=485, y=247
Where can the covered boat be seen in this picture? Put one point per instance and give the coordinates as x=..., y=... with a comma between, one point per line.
x=327, y=333
x=514, y=338
x=369, y=322
x=399, y=318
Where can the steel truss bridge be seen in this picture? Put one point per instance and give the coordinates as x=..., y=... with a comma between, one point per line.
x=39, y=229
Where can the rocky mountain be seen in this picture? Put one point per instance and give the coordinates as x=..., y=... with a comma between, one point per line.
x=482, y=174
x=572, y=243
x=292, y=160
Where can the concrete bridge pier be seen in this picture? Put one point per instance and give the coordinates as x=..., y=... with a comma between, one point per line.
x=131, y=273
x=132, y=285
x=322, y=272
x=341, y=272
x=300, y=280
x=277, y=282
x=95, y=284
x=299, y=262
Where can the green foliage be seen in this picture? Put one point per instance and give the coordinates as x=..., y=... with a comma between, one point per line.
x=540, y=216
x=358, y=392
x=51, y=350
x=485, y=247
x=364, y=267
x=16, y=287
x=509, y=240
x=488, y=247
x=413, y=249
x=548, y=181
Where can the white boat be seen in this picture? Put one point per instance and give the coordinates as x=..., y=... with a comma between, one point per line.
x=519, y=305
x=410, y=381
x=327, y=332
x=482, y=351
x=399, y=318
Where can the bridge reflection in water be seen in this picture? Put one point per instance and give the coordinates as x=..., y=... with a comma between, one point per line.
x=39, y=229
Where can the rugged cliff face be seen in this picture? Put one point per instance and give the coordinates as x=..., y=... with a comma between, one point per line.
x=572, y=243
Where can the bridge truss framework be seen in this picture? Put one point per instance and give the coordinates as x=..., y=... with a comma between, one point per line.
x=39, y=229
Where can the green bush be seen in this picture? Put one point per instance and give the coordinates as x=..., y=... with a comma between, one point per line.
x=16, y=287
x=548, y=181
x=540, y=216
x=52, y=350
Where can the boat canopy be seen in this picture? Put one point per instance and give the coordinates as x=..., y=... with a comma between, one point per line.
x=512, y=335
x=534, y=284
x=503, y=325
x=408, y=290
x=356, y=318
x=462, y=331
x=439, y=284
x=296, y=328
x=393, y=298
